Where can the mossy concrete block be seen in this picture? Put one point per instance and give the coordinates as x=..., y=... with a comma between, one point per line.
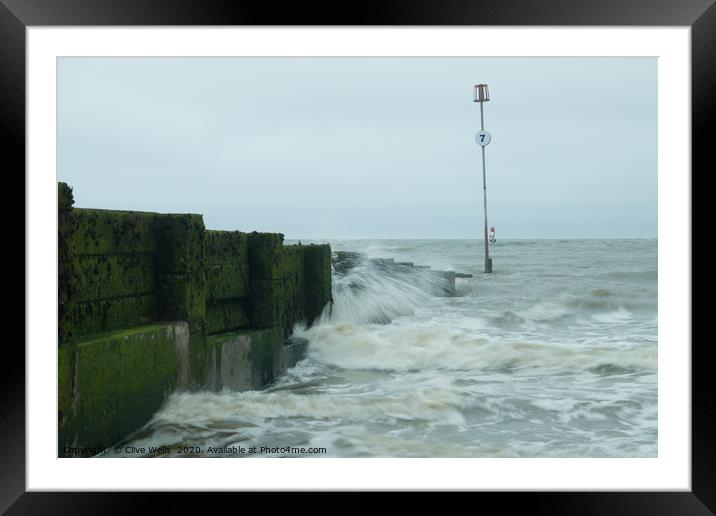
x=265, y=255
x=111, y=276
x=65, y=383
x=293, y=299
x=67, y=279
x=265, y=355
x=292, y=290
x=65, y=199
x=121, y=379
x=180, y=240
x=222, y=316
x=292, y=258
x=111, y=314
x=182, y=297
x=244, y=360
x=227, y=281
x=267, y=297
x=226, y=247
x=66, y=394
x=317, y=278
x=112, y=231
x=180, y=262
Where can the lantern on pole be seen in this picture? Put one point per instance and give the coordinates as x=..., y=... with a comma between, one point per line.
x=482, y=93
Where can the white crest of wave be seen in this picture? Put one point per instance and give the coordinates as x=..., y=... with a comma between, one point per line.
x=436, y=347
x=601, y=304
x=206, y=409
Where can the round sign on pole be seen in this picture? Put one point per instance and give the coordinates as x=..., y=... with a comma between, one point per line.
x=482, y=138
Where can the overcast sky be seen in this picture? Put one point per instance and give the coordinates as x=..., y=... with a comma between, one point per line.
x=366, y=147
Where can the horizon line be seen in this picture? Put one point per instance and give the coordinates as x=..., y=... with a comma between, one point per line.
x=477, y=239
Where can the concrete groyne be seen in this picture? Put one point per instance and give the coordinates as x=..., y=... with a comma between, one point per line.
x=151, y=302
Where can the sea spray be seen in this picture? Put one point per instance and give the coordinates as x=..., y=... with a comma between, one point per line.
x=371, y=292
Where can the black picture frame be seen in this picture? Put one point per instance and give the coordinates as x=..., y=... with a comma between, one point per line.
x=16, y=15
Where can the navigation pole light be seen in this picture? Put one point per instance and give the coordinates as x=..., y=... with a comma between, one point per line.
x=481, y=93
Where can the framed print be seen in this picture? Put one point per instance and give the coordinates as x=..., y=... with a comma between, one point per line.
x=264, y=255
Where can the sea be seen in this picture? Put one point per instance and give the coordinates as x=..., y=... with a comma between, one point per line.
x=553, y=354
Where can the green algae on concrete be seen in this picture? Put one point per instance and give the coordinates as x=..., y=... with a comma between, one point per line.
x=182, y=297
x=265, y=353
x=267, y=303
x=65, y=198
x=265, y=256
x=223, y=247
x=65, y=384
x=180, y=239
x=66, y=273
x=226, y=315
x=317, y=277
x=113, y=231
x=112, y=276
x=293, y=287
x=292, y=258
x=226, y=281
x=119, y=380
x=112, y=314
x=105, y=268
x=180, y=263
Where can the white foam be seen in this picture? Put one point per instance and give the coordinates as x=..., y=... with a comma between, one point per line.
x=255, y=407
x=430, y=346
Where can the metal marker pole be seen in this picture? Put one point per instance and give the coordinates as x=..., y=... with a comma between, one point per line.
x=488, y=261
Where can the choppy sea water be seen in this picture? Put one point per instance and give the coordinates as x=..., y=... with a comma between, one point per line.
x=554, y=354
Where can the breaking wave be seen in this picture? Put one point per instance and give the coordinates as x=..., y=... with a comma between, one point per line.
x=407, y=348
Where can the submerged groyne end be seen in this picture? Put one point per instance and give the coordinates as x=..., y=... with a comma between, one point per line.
x=436, y=282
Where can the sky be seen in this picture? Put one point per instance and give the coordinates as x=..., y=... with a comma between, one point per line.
x=366, y=147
